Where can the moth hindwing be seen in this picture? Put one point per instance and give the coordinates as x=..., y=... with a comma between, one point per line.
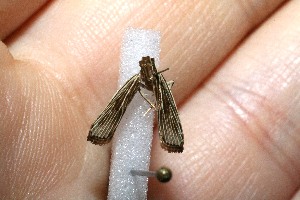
x=170, y=129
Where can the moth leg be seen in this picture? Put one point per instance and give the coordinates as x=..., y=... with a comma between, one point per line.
x=150, y=103
x=170, y=84
x=147, y=111
x=143, y=85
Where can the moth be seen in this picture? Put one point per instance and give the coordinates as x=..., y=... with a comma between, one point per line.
x=170, y=129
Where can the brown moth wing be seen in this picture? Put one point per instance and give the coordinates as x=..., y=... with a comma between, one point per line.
x=170, y=130
x=102, y=130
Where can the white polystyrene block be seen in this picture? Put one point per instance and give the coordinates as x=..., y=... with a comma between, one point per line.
x=132, y=141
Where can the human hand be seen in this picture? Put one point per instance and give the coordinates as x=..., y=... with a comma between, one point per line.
x=237, y=78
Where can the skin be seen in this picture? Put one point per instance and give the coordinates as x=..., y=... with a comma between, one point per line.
x=236, y=67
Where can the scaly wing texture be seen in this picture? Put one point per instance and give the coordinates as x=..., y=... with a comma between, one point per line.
x=170, y=130
x=104, y=127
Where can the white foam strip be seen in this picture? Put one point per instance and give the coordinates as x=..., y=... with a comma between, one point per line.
x=132, y=141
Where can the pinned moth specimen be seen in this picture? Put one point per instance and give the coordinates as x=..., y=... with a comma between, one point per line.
x=170, y=129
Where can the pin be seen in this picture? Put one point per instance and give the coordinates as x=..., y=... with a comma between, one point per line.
x=163, y=175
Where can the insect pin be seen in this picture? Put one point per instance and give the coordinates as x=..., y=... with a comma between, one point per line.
x=169, y=126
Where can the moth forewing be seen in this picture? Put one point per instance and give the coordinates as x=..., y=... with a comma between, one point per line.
x=104, y=127
x=170, y=129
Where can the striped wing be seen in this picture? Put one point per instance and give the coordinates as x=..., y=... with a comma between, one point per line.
x=103, y=129
x=170, y=130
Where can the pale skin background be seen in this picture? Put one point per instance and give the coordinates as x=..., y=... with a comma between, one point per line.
x=236, y=67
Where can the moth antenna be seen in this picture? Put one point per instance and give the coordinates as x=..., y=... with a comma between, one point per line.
x=162, y=71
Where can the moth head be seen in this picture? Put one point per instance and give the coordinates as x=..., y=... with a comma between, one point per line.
x=147, y=68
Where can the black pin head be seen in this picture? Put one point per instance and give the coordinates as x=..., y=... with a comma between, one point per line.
x=164, y=174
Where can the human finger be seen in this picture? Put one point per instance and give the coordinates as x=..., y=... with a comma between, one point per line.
x=14, y=13
x=242, y=127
